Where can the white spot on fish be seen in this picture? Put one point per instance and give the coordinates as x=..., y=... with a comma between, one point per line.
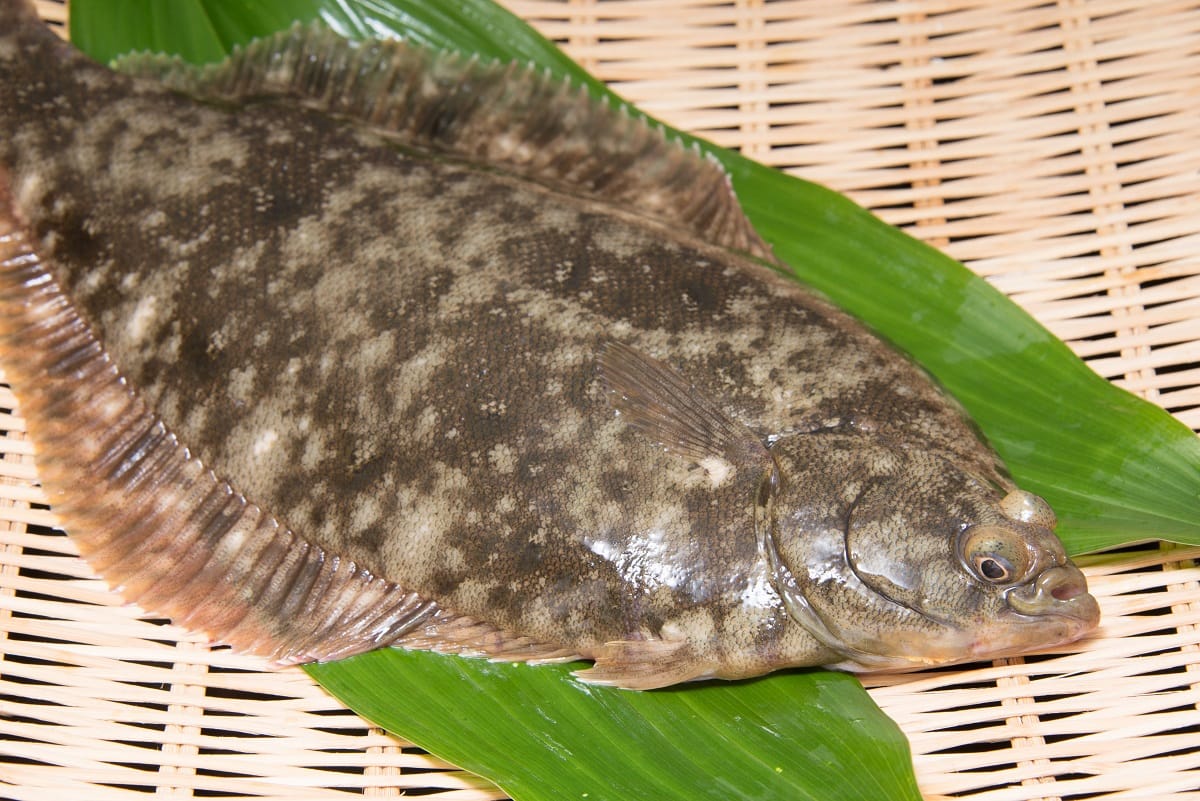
x=427, y=424
x=264, y=442
x=453, y=558
x=367, y=512
x=719, y=470
x=493, y=407
x=646, y=561
x=503, y=459
x=29, y=190
x=139, y=322
x=241, y=384
x=759, y=592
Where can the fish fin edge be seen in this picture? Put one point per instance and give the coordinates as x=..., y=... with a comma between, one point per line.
x=149, y=517
x=645, y=665
x=507, y=115
x=450, y=633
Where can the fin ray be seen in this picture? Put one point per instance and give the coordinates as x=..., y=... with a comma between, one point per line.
x=446, y=632
x=655, y=399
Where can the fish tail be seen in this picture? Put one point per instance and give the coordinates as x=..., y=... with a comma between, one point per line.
x=152, y=519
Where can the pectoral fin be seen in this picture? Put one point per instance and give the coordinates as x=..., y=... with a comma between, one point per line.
x=655, y=399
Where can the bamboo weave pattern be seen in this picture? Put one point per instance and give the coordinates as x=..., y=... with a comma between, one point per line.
x=1052, y=146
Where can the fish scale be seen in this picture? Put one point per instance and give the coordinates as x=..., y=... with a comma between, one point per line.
x=319, y=357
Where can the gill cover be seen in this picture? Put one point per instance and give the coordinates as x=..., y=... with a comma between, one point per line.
x=894, y=558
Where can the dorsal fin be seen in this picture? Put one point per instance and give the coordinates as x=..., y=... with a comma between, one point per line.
x=508, y=116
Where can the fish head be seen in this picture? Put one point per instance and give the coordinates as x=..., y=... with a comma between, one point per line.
x=895, y=559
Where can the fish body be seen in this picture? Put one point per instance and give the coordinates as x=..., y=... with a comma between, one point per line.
x=317, y=377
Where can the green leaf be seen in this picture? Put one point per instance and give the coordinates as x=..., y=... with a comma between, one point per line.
x=144, y=26
x=804, y=735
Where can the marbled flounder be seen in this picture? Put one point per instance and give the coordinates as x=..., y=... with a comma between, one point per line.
x=370, y=346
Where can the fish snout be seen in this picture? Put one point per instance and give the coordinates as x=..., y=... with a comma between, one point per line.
x=1059, y=590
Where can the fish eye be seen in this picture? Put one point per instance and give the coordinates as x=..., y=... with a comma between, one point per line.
x=994, y=554
x=993, y=568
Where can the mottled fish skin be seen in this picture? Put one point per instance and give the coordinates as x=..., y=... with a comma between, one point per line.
x=398, y=357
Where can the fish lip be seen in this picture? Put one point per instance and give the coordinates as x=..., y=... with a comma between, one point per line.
x=1070, y=628
x=1034, y=619
x=1059, y=591
x=1021, y=633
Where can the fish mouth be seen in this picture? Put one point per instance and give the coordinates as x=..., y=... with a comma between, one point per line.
x=1053, y=609
x=1059, y=591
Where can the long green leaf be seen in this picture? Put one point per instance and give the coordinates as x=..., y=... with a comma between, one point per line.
x=811, y=735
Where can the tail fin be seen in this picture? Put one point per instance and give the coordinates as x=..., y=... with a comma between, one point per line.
x=149, y=517
x=147, y=514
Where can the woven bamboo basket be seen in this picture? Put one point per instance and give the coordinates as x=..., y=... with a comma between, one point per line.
x=1052, y=146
